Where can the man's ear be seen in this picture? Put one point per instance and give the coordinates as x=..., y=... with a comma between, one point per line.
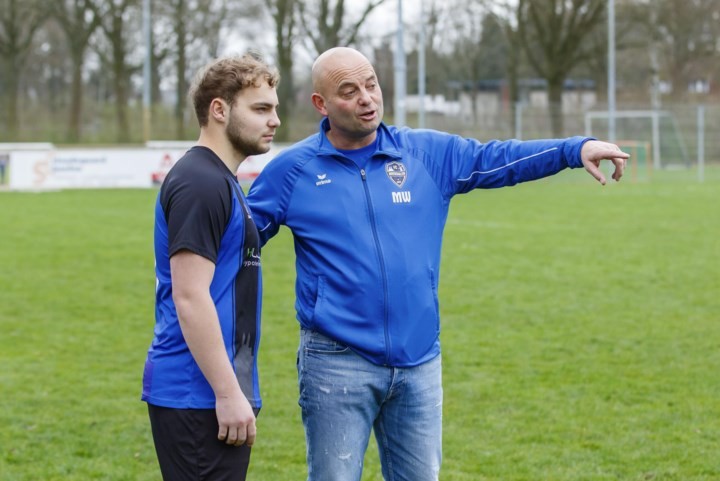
x=319, y=103
x=219, y=110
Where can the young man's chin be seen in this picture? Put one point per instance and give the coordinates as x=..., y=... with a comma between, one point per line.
x=261, y=148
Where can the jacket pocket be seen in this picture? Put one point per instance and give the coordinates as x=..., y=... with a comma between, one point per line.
x=310, y=299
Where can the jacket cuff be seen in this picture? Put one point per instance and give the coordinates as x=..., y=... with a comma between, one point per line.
x=572, y=150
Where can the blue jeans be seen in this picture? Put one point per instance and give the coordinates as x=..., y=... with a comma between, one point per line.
x=343, y=397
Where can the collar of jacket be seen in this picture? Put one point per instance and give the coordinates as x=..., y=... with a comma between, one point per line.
x=386, y=143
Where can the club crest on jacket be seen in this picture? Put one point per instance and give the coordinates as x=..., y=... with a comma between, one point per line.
x=396, y=172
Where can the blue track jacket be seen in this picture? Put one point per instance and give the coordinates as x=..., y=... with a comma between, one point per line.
x=367, y=240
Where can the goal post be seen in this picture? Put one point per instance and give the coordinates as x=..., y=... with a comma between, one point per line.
x=653, y=116
x=641, y=158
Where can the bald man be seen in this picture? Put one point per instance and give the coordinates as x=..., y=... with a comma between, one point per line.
x=367, y=203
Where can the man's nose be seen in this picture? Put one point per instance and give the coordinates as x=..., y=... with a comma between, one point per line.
x=275, y=120
x=365, y=97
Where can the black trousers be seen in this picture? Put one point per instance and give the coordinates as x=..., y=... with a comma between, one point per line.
x=188, y=448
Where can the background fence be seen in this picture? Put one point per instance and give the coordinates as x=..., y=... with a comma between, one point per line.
x=687, y=135
x=683, y=141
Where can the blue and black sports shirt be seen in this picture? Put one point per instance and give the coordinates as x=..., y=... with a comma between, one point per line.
x=201, y=208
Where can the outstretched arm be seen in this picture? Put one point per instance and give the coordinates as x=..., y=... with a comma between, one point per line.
x=593, y=151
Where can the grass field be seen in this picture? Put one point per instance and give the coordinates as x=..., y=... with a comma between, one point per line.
x=581, y=336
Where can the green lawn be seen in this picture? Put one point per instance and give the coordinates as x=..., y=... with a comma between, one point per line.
x=581, y=336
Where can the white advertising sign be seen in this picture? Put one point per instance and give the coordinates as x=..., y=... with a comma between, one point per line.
x=107, y=168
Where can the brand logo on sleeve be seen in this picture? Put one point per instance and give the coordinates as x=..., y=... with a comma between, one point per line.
x=396, y=172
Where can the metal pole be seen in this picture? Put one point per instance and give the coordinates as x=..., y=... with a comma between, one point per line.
x=147, y=84
x=656, y=139
x=611, y=70
x=400, y=70
x=654, y=61
x=518, y=120
x=701, y=142
x=421, y=68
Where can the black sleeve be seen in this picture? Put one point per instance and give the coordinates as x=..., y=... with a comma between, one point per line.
x=197, y=210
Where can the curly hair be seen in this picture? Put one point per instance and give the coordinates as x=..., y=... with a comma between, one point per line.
x=225, y=77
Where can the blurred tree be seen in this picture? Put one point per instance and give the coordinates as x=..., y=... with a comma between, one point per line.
x=688, y=31
x=469, y=52
x=115, y=18
x=552, y=34
x=19, y=20
x=46, y=85
x=508, y=20
x=663, y=46
x=78, y=21
x=321, y=25
x=284, y=16
x=437, y=72
x=327, y=23
x=177, y=10
x=631, y=32
x=161, y=50
x=195, y=29
x=479, y=51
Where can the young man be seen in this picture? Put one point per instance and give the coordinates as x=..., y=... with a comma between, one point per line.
x=200, y=379
x=367, y=204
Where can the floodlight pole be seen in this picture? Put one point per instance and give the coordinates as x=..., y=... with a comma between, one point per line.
x=611, y=70
x=400, y=70
x=146, y=69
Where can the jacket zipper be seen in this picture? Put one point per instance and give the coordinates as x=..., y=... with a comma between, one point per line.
x=363, y=176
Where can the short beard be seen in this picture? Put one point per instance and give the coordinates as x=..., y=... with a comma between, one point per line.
x=241, y=144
